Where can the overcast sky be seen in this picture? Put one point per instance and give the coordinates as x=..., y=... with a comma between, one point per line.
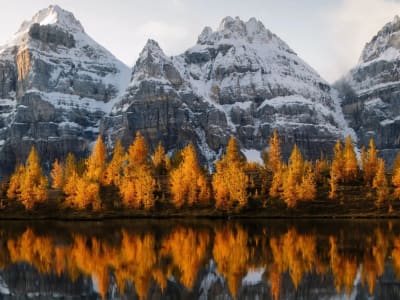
x=328, y=34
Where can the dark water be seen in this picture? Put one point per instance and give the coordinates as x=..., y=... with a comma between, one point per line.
x=178, y=259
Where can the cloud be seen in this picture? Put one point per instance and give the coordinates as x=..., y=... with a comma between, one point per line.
x=352, y=24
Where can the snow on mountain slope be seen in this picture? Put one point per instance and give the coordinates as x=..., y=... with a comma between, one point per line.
x=371, y=91
x=240, y=79
x=55, y=75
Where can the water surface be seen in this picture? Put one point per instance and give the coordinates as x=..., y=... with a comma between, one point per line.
x=181, y=259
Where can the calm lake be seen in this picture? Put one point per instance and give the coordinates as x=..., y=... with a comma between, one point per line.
x=214, y=259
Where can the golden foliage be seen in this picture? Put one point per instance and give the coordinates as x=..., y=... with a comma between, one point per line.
x=113, y=171
x=350, y=161
x=96, y=163
x=137, y=183
x=28, y=184
x=337, y=169
x=380, y=183
x=369, y=162
x=230, y=181
x=188, y=181
x=231, y=255
x=57, y=175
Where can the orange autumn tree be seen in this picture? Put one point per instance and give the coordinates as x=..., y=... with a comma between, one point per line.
x=189, y=185
x=337, y=168
x=299, y=181
x=350, y=161
x=137, y=183
x=57, y=175
x=29, y=185
x=113, y=171
x=230, y=181
x=396, y=181
x=275, y=164
x=84, y=191
x=369, y=162
x=161, y=161
x=380, y=183
x=97, y=161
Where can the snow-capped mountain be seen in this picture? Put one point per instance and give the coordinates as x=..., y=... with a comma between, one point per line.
x=371, y=91
x=239, y=80
x=56, y=84
x=59, y=89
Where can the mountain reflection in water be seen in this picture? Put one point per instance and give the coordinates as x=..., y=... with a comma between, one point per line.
x=178, y=259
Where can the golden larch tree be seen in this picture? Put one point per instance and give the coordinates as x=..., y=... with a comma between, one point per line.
x=137, y=183
x=31, y=187
x=380, y=183
x=97, y=161
x=350, y=161
x=396, y=181
x=274, y=153
x=337, y=169
x=57, y=175
x=70, y=166
x=307, y=189
x=230, y=181
x=113, y=172
x=84, y=191
x=369, y=160
x=15, y=182
x=161, y=161
x=188, y=181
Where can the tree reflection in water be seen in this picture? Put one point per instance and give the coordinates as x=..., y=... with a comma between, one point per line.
x=149, y=259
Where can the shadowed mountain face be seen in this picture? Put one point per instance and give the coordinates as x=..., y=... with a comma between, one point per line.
x=59, y=89
x=371, y=91
x=145, y=259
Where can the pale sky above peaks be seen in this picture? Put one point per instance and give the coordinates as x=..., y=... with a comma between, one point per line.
x=328, y=34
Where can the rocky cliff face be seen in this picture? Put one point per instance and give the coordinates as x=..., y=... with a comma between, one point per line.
x=371, y=92
x=56, y=84
x=59, y=89
x=239, y=80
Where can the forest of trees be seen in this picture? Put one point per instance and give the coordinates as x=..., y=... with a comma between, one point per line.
x=139, y=180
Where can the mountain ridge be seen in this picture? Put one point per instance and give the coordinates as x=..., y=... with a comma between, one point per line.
x=57, y=86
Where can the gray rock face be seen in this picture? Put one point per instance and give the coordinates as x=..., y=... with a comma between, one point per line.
x=240, y=80
x=56, y=84
x=59, y=89
x=371, y=92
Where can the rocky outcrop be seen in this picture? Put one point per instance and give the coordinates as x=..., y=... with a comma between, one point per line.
x=371, y=92
x=56, y=84
x=59, y=89
x=240, y=80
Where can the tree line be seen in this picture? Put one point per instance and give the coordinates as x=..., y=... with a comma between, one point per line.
x=144, y=180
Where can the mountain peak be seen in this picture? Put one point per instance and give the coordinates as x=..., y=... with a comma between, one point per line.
x=54, y=15
x=151, y=51
x=236, y=28
x=385, y=44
